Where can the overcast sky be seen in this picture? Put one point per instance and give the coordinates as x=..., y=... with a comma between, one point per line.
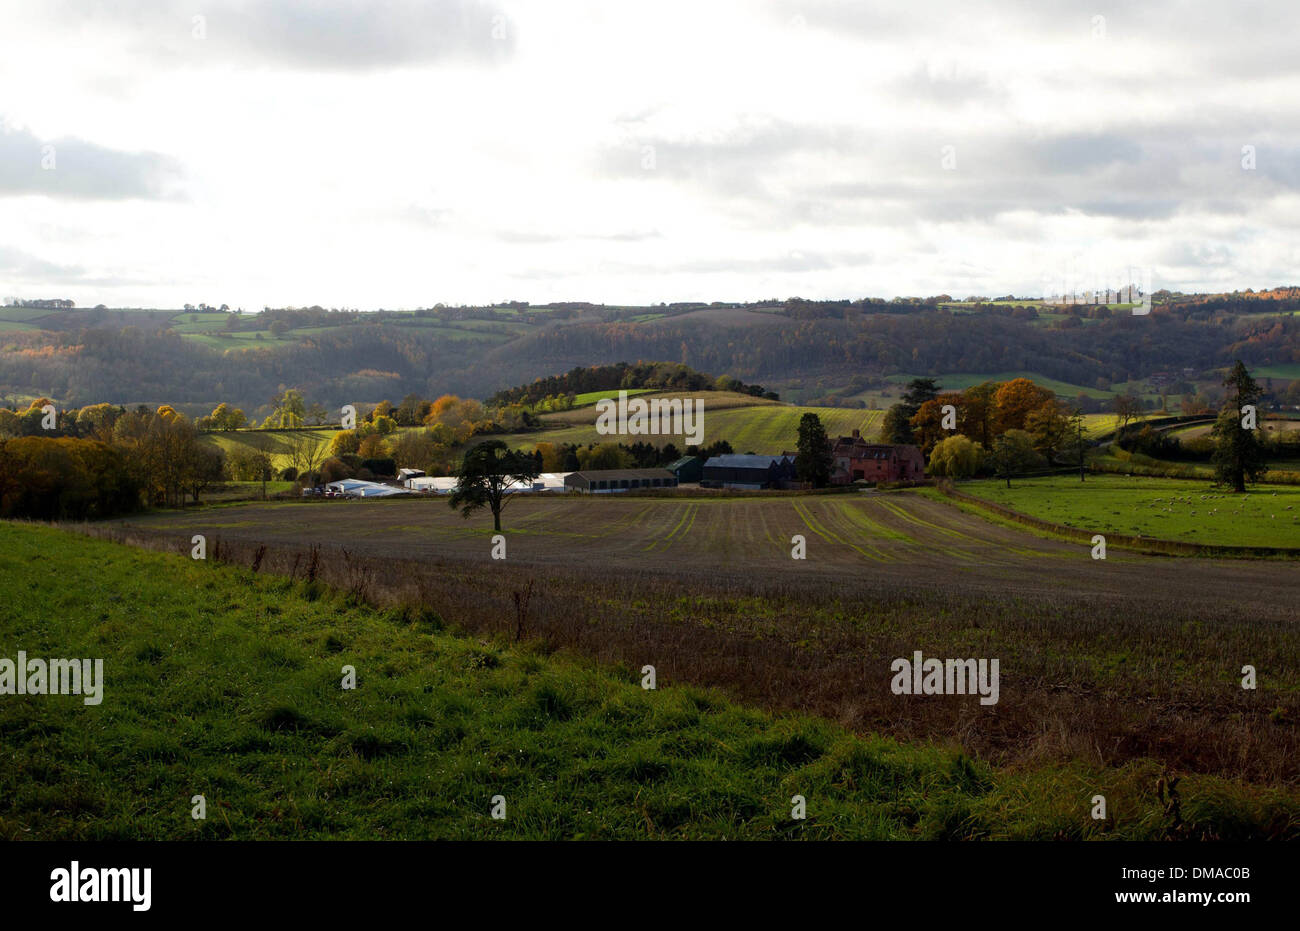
x=398, y=153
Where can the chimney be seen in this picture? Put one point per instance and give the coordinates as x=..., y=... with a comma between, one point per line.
x=855, y=433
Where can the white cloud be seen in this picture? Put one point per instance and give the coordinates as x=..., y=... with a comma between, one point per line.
x=413, y=152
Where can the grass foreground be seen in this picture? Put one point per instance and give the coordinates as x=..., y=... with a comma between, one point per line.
x=224, y=683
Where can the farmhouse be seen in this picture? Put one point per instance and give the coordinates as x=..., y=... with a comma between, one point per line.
x=854, y=459
x=609, y=480
x=747, y=472
x=687, y=469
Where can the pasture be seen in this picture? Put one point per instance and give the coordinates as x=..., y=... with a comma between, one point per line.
x=1168, y=509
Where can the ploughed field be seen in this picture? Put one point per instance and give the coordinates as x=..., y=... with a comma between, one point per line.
x=1110, y=660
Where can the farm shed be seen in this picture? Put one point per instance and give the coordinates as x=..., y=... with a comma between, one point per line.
x=608, y=480
x=687, y=469
x=356, y=488
x=747, y=472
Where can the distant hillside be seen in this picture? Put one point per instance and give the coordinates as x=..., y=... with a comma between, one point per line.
x=831, y=350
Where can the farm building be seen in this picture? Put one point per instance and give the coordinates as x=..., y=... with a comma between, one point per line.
x=687, y=469
x=551, y=481
x=356, y=488
x=446, y=484
x=747, y=472
x=854, y=459
x=432, y=484
x=609, y=480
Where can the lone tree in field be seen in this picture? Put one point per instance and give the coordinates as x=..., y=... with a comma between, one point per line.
x=488, y=471
x=813, y=461
x=1238, y=456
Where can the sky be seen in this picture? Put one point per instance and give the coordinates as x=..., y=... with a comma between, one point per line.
x=404, y=153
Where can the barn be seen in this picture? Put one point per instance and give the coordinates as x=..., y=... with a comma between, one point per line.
x=747, y=472
x=687, y=469
x=609, y=480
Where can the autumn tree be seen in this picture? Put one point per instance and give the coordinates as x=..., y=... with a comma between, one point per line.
x=956, y=456
x=552, y=457
x=371, y=447
x=1049, y=426
x=1014, y=400
x=345, y=442
x=415, y=449
x=928, y=423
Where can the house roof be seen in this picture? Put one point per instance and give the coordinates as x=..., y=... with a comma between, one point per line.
x=858, y=448
x=684, y=461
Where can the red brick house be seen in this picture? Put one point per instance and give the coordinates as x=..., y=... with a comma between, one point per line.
x=854, y=459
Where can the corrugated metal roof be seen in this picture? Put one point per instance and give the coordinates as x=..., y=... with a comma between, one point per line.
x=602, y=475
x=738, y=461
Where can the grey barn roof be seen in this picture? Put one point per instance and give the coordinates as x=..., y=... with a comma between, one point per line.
x=737, y=461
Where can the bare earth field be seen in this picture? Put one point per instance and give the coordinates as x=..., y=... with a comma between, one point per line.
x=1113, y=660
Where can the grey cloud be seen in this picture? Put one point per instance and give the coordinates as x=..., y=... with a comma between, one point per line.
x=82, y=170
x=18, y=264
x=758, y=173
x=324, y=35
x=946, y=90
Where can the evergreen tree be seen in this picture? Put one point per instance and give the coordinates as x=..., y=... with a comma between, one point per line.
x=813, y=461
x=1238, y=455
x=897, y=426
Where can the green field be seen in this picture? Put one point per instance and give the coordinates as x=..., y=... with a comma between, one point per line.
x=277, y=443
x=1287, y=371
x=746, y=422
x=25, y=314
x=959, y=381
x=591, y=397
x=1167, y=509
x=224, y=683
x=11, y=326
